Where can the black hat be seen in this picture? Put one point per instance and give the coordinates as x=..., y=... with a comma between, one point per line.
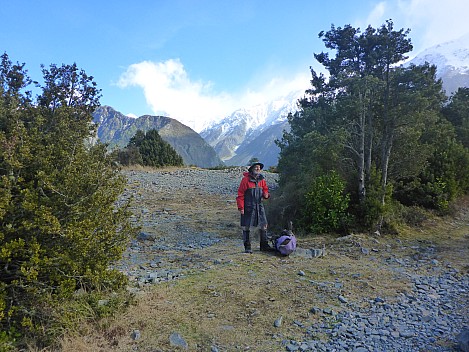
x=254, y=164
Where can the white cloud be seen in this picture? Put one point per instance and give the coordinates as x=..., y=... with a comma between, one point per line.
x=271, y=86
x=437, y=21
x=169, y=91
x=376, y=15
x=431, y=21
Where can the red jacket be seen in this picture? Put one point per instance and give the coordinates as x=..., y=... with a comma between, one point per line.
x=249, y=184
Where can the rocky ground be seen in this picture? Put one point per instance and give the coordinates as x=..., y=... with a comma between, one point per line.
x=378, y=295
x=179, y=212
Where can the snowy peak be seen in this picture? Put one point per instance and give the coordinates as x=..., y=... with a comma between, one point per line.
x=245, y=124
x=452, y=62
x=268, y=113
x=454, y=54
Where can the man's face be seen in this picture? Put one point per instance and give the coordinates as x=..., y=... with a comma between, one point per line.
x=256, y=170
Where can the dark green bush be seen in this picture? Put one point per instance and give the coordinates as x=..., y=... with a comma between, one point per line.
x=148, y=149
x=326, y=204
x=61, y=223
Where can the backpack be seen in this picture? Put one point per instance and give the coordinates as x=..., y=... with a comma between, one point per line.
x=286, y=243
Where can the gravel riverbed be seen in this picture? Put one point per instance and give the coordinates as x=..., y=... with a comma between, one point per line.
x=433, y=316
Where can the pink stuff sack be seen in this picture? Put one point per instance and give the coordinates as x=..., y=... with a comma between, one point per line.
x=286, y=243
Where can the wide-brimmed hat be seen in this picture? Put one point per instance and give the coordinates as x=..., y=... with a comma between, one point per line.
x=254, y=164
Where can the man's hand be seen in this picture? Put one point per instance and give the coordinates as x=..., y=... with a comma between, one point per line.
x=241, y=211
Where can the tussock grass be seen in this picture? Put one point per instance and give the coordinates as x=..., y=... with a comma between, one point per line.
x=234, y=305
x=154, y=169
x=234, y=302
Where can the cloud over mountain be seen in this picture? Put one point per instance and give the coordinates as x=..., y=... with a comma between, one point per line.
x=170, y=91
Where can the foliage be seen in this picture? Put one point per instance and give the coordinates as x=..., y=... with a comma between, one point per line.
x=457, y=112
x=440, y=182
x=326, y=204
x=222, y=167
x=444, y=176
x=156, y=152
x=61, y=225
x=149, y=149
x=378, y=125
x=371, y=210
x=128, y=156
x=298, y=169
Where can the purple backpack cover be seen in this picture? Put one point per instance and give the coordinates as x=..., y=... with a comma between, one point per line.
x=286, y=243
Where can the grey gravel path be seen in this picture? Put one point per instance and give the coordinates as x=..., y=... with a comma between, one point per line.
x=151, y=257
x=427, y=319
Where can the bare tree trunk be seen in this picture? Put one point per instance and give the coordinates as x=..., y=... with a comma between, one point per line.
x=385, y=156
x=388, y=132
x=361, y=150
x=388, y=138
x=369, y=148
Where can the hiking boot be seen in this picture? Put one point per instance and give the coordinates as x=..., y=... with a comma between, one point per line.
x=266, y=248
x=264, y=245
x=247, y=242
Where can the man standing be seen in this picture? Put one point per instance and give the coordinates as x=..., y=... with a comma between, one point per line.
x=252, y=190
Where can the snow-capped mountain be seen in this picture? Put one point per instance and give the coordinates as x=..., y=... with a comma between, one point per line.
x=452, y=62
x=245, y=125
x=250, y=132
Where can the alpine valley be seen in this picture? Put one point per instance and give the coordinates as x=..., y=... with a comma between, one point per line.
x=250, y=132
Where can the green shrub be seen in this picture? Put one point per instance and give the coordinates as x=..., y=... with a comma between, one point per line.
x=414, y=216
x=326, y=204
x=61, y=223
x=128, y=156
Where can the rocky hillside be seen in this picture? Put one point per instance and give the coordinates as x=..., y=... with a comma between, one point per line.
x=261, y=146
x=116, y=129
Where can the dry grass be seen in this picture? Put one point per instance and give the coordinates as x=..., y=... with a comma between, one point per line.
x=234, y=303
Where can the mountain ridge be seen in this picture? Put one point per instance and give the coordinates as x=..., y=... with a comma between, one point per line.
x=116, y=129
x=240, y=130
x=452, y=61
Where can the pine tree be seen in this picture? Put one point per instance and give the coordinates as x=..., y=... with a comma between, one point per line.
x=457, y=112
x=153, y=150
x=370, y=119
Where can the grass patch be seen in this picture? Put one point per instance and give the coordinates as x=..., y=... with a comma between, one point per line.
x=233, y=302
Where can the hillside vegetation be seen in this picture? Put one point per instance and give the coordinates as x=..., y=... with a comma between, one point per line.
x=60, y=226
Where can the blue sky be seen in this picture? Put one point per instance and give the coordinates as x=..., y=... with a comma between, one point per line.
x=198, y=61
